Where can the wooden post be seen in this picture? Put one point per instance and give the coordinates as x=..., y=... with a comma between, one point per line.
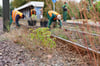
x=98, y=59
x=6, y=20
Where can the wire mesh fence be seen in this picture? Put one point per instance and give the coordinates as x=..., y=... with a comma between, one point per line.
x=84, y=29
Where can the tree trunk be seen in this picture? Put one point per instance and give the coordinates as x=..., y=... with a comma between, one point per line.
x=6, y=21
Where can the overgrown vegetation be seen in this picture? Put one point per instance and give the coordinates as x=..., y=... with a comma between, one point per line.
x=84, y=10
x=77, y=37
x=42, y=35
x=32, y=39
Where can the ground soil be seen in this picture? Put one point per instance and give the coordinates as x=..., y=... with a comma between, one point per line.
x=12, y=54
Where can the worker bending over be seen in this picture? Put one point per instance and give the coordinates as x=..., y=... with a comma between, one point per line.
x=53, y=17
x=16, y=15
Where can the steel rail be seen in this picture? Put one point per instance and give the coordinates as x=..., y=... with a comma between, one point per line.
x=84, y=32
x=76, y=44
x=92, y=25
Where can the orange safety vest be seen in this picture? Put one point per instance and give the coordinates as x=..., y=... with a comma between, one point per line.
x=15, y=13
x=32, y=11
x=53, y=12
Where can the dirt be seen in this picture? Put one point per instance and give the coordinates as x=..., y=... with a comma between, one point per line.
x=72, y=56
x=12, y=54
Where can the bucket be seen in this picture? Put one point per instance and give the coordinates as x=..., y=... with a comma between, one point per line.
x=32, y=23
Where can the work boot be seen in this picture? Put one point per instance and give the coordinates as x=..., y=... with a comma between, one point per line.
x=17, y=26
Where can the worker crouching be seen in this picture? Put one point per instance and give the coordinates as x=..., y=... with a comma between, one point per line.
x=53, y=17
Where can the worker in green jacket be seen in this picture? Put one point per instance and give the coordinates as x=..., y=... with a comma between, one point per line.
x=65, y=11
x=53, y=17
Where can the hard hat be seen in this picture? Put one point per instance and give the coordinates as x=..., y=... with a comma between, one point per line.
x=59, y=17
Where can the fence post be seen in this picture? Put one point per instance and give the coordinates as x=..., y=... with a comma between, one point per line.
x=6, y=20
x=98, y=59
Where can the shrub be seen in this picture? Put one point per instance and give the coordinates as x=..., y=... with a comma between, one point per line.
x=42, y=35
x=97, y=6
x=32, y=39
x=95, y=9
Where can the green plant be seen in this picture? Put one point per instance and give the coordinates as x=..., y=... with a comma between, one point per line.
x=74, y=40
x=97, y=6
x=94, y=32
x=63, y=36
x=42, y=35
x=95, y=10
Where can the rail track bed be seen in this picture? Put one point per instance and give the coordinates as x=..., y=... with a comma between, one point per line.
x=83, y=27
x=75, y=54
x=72, y=54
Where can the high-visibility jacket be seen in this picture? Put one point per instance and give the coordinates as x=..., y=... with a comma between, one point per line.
x=15, y=13
x=53, y=12
x=33, y=11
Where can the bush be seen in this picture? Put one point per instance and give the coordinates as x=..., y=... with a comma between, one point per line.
x=32, y=39
x=42, y=35
x=96, y=10
x=73, y=11
x=97, y=6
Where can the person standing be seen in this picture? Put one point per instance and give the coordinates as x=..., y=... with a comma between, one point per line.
x=33, y=14
x=32, y=11
x=65, y=11
x=41, y=15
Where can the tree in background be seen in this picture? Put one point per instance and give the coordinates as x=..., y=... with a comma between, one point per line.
x=59, y=8
x=17, y=3
x=95, y=11
x=47, y=4
x=73, y=11
x=0, y=11
x=11, y=6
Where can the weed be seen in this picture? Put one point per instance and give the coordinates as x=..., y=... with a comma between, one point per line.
x=74, y=40
x=42, y=35
x=63, y=36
